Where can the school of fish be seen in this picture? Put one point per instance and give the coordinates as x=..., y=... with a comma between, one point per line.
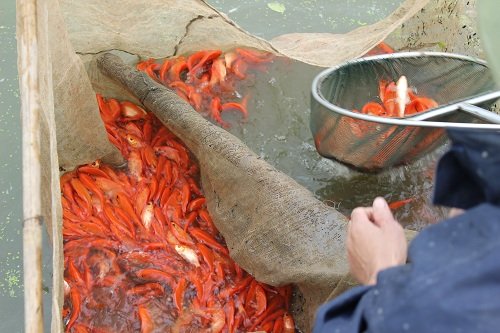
x=208, y=80
x=397, y=100
x=141, y=252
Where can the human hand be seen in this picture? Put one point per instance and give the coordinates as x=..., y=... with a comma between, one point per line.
x=375, y=241
x=454, y=212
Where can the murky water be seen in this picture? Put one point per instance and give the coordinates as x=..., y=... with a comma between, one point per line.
x=11, y=287
x=278, y=127
x=278, y=130
x=270, y=18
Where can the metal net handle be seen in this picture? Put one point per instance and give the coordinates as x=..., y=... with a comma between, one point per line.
x=419, y=120
x=468, y=105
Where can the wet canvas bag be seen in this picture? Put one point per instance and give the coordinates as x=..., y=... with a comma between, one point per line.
x=275, y=228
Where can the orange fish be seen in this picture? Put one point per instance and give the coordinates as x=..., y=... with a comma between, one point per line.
x=398, y=204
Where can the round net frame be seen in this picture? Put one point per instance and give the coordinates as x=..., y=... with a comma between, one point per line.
x=461, y=86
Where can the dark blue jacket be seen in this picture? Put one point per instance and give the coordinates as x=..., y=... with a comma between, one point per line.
x=451, y=282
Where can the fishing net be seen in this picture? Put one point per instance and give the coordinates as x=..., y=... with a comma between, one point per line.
x=275, y=229
x=374, y=146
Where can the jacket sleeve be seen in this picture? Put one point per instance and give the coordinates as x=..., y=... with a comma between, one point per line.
x=343, y=314
x=450, y=284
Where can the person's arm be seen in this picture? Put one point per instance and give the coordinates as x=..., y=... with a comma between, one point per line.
x=344, y=314
x=375, y=241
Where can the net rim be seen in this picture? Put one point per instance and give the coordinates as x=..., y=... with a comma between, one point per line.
x=318, y=98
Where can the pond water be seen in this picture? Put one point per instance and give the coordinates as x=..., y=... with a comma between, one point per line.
x=270, y=18
x=278, y=130
x=11, y=287
x=279, y=97
x=278, y=127
x=11, y=258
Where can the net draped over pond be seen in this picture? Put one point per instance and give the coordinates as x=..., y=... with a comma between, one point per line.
x=293, y=235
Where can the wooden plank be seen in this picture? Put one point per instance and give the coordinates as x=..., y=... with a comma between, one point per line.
x=27, y=45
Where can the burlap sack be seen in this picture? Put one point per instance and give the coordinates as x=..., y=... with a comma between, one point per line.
x=280, y=232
